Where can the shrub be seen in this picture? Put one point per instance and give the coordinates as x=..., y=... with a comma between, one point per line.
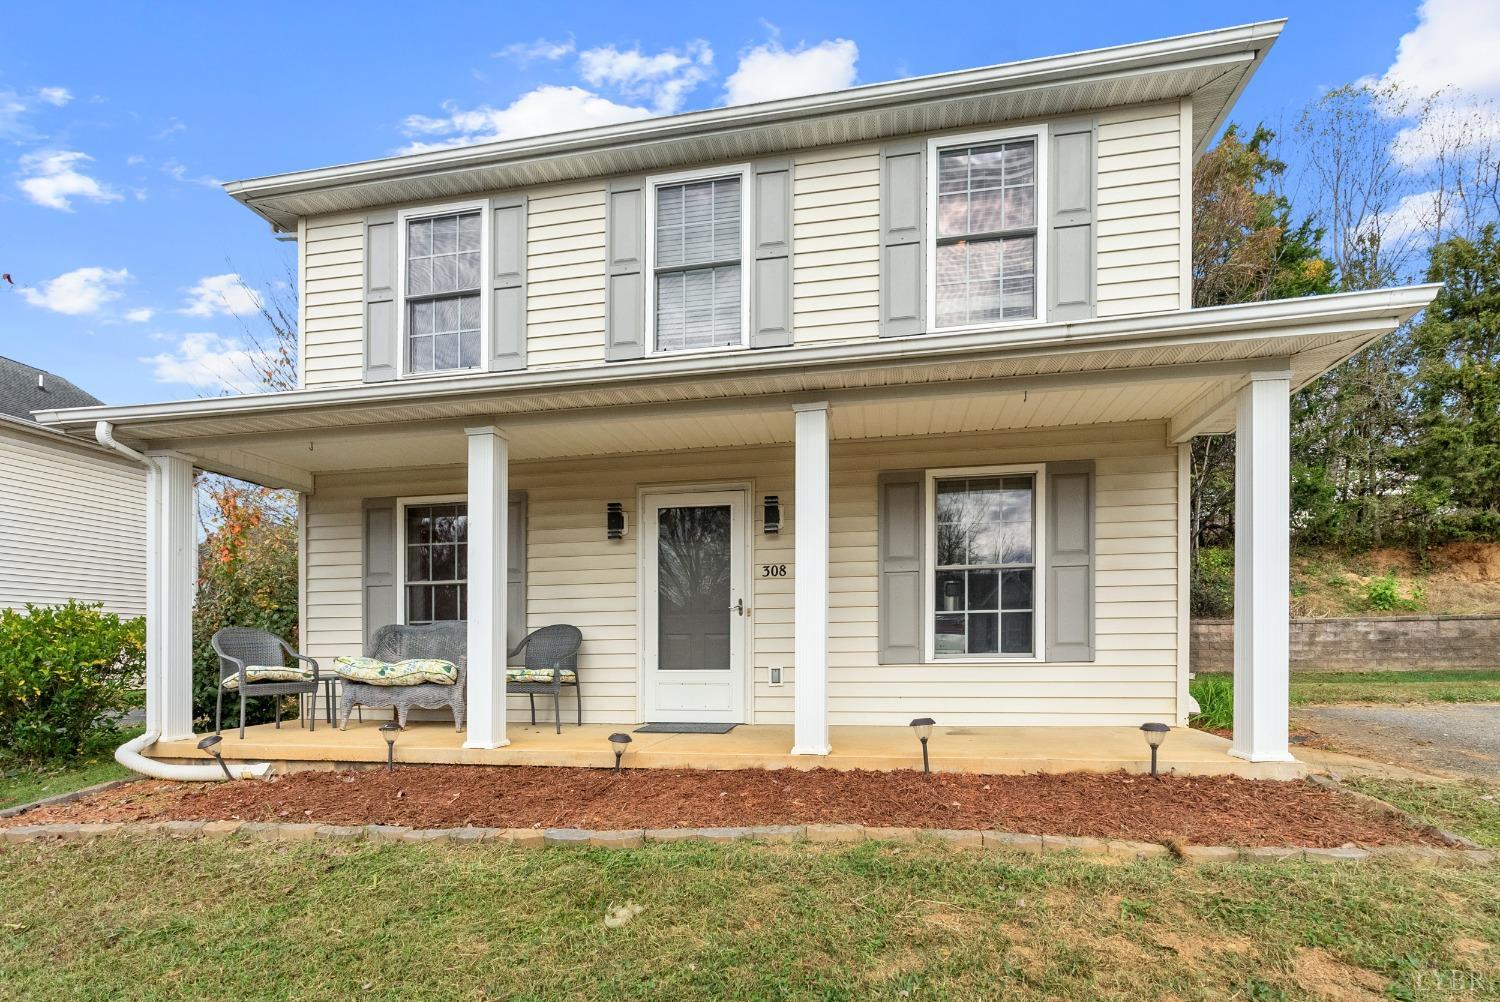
x=1383, y=594
x=1215, y=696
x=1213, y=582
x=64, y=670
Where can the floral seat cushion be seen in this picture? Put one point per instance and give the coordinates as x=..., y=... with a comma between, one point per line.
x=270, y=673
x=412, y=671
x=541, y=676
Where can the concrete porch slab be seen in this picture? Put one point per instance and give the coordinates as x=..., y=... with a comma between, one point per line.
x=995, y=750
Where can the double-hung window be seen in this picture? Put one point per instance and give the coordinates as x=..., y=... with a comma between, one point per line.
x=985, y=584
x=442, y=289
x=987, y=253
x=435, y=537
x=697, y=262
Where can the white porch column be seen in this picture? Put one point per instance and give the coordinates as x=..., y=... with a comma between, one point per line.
x=489, y=492
x=810, y=615
x=1262, y=492
x=170, y=572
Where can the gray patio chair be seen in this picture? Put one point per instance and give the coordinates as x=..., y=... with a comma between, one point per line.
x=549, y=651
x=444, y=641
x=240, y=647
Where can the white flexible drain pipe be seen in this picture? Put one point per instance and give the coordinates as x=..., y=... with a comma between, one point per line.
x=129, y=754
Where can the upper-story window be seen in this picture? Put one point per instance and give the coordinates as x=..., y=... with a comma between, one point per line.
x=443, y=294
x=987, y=249
x=698, y=294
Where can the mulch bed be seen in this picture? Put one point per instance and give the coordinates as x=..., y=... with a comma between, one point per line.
x=1218, y=810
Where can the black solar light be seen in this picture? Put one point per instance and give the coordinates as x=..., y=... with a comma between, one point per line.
x=922, y=728
x=618, y=742
x=389, y=730
x=1155, y=733
x=210, y=744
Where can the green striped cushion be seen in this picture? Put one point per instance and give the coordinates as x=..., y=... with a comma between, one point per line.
x=270, y=673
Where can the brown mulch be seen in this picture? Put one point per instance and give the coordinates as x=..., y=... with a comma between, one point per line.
x=1217, y=810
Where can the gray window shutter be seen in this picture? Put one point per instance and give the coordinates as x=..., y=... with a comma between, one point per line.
x=382, y=337
x=625, y=264
x=1070, y=561
x=379, y=565
x=900, y=532
x=508, y=288
x=771, y=295
x=1070, y=245
x=903, y=255
x=515, y=572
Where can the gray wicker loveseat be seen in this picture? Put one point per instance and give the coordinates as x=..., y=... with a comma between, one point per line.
x=446, y=641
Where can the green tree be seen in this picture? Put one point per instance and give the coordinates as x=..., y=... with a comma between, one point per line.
x=1454, y=455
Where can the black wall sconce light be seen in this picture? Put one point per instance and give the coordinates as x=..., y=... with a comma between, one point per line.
x=614, y=520
x=771, y=516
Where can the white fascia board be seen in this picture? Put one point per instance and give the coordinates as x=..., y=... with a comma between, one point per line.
x=1233, y=322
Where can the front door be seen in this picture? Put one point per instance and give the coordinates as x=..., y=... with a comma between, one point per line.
x=694, y=590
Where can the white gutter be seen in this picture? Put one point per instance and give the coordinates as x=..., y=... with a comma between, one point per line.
x=129, y=754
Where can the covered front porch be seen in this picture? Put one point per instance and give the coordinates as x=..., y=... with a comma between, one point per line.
x=984, y=750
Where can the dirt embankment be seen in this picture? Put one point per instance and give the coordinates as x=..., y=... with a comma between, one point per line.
x=1458, y=579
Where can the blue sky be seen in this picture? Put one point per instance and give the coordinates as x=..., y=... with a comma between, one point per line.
x=118, y=120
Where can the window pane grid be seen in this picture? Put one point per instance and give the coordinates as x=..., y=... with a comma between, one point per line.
x=437, y=562
x=985, y=566
x=697, y=265
x=442, y=290
x=986, y=233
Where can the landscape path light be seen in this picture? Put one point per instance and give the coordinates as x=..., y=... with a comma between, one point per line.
x=389, y=730
x=210, y=744
x=618, y=742
x=1155, y=733
x=922, y=728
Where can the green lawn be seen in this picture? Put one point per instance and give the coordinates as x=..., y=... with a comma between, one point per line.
x=1470, y=808
x=1214, y=691
x=20, y=785
x=159, y=919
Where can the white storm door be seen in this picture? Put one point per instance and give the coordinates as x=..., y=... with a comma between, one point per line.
x=693, y=593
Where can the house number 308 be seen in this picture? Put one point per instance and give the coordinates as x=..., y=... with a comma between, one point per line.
x=773, y=570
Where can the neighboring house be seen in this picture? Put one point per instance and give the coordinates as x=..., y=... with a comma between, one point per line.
x=843, y=409
x=72, y=514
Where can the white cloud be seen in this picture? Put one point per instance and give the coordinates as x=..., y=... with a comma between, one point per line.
x=545, y=50
x=206, y=361
x=78, y=292
x=768, y=72
x=51, y=178
x=11, y=110
x=216, y=294
x=139, y=315
x=55, y=96
x=664, y=78
x=546, y=109
x=1449, y=55
x=178, y=172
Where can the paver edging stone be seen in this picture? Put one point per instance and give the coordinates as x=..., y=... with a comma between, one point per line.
x=631, y=838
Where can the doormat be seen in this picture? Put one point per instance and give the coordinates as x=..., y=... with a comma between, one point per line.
x=686, y=728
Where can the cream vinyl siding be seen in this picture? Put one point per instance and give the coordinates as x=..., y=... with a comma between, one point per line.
x=565, y=277
x=72, y=525
x=578, y=576
x=333, y=305
x=836, y=244
x=1141, y=182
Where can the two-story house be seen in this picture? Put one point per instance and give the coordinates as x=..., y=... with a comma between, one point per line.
x=834, y=410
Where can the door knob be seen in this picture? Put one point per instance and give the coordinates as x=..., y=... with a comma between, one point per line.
x=739, y=607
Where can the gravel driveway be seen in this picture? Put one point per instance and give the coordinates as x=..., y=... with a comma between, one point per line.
x=1458, y=738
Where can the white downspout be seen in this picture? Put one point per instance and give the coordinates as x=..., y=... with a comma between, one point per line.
x=129, y=754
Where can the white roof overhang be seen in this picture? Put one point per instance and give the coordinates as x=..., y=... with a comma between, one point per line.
x=1211, y=68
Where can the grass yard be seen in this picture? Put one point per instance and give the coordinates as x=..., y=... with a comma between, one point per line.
x=20, y=785
x=162, y=919
x=1470, y=809
x=1215, y=692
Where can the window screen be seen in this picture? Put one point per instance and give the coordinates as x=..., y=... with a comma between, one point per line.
x=442, y=292
x=986, y=566
x=697, y=266
x=986, y=233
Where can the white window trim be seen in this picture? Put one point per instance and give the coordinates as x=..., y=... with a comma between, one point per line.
x=1038, y=653
x=405, y=216
x=747, y=247
x=934, y=145
x=401, y=505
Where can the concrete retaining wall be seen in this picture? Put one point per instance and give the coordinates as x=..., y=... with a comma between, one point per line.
x=1400, y=643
